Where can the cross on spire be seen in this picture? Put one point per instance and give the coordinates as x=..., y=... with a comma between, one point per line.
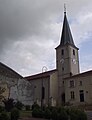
x=64, y=8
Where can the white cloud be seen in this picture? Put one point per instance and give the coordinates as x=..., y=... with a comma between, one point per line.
x=87, y=64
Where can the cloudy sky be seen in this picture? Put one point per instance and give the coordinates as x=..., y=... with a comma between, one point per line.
x=31, y=29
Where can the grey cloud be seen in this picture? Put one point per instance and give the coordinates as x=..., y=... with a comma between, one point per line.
x=23, y=18
x=31, y=28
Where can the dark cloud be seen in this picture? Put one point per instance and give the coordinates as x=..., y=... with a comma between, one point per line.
x=30, y=30
x=23, y=18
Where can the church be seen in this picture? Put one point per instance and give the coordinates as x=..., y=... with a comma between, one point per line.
x=64, y=85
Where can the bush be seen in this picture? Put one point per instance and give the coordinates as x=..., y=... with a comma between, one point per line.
x=77, y=115
x=27, y=107
x=59, y=113
x=19, y=105
x=47, y=113
x=14, y=114
x=54, y=114
x=35, y=106
x=4, y=116
x=38, y=113
x=62, y=115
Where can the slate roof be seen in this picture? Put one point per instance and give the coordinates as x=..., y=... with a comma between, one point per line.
x=40, y=75
x=66, y=36
x=8, y=72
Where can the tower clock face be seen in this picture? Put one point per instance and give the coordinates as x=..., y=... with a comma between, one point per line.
x=74, y=61
x=62, y=61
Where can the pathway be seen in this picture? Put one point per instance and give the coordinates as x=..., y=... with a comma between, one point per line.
x=89, y=115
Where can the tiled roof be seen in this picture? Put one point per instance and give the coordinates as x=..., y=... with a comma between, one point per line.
x=8, y=72
x=40, y=75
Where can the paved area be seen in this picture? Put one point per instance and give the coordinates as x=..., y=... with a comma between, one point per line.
x=89, y=115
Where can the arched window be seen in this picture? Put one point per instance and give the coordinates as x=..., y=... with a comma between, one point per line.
x=62, y=52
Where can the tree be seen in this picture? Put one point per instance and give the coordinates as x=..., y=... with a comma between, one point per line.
x=9, y=104
x=2, y=90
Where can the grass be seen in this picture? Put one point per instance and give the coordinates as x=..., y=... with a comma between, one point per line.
x=24, y=114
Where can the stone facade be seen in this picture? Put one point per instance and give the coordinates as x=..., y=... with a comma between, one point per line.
x=48, y=80
x=78, y=89
x=18, y=89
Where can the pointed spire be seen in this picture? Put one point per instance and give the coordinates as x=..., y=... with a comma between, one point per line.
x=66, y=36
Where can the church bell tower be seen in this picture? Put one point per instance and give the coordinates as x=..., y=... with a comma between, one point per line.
x=67, y=60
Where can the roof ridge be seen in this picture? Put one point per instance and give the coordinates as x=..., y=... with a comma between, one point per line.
x=43, y=73
x=7, y=68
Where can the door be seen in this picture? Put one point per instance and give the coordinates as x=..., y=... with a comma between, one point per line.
x=63, y=98
x=81, y=96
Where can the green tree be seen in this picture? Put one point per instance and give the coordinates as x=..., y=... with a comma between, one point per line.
x=2, y=90
x=9, y=104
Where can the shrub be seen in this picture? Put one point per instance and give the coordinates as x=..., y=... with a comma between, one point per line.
x=47, y=113
x=27, y=107
x=54, y=114
x=59, y=113
x=4, y=116
x=38, y=113
x=62, y=115
x=19, y=105
x=35, y=106
x=76, y=114
x=14, y=114
x=82, y=115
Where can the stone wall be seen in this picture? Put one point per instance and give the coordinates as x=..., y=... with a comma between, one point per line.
x=18, y=89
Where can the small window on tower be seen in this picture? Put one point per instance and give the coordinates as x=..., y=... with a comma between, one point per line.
x=63, y=82
x=73, y=52
x=62, y=52
x=62, y=68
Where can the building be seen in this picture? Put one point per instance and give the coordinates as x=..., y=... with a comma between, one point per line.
x=65, y=84
x=45, y=87
x=13, y=85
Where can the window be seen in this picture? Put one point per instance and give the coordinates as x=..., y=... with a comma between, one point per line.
x=43, y=92
x=62, y=52
x=72, y=83
x=72, y=95
x=80, y=83
x=62, y=68
x=73, y=52
x=63, y=82
x=81, y=92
